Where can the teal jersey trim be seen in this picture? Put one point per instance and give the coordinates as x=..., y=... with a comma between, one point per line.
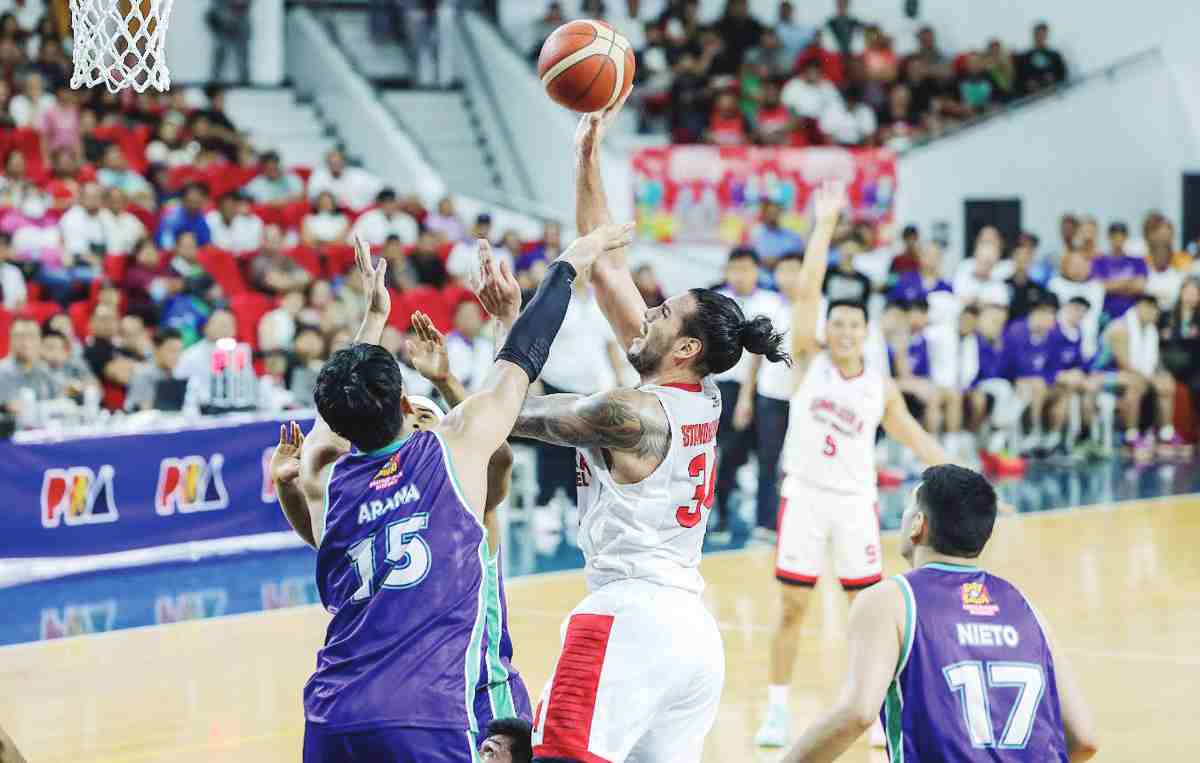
x=325, y=509
x=388, y=450
x=893, y=706
x=475, y=646
x=499, y=691
x=946, y=567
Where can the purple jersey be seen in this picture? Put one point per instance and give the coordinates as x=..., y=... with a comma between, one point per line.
x=403, y=568
x=1026, y=355
x=912, y=286
x=1067, y=353
x=975, y=680
x=991, y=358
x=500, y=692
x=1123, y=266
x=918, y=355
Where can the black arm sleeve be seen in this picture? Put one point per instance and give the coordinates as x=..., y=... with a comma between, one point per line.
x=529, y=342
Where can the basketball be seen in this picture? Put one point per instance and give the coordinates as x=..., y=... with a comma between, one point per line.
x=586, y=65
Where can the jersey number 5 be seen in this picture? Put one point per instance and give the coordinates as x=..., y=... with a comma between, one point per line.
x=407, y=552
x=830, y=448
x=690, y=516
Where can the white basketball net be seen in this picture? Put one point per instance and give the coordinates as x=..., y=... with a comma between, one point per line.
x=121, y=43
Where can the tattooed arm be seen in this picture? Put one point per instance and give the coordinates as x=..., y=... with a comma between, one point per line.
x=624, y=420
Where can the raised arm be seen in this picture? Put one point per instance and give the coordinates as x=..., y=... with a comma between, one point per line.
x=476, y=427
x=625, y=420
x=828, y=201
x=616, y=292
x=902, y=427
x=877, y=620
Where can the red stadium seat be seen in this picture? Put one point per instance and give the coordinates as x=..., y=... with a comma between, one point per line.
x=114, y=267
x=178, y=177
x=401, y=315
x=33, y=291
x=249, y=308
x=431, y=302
x=80, y=314
x=132, y=140
x=307, y=258
x=304, y=172
x=270, y=214
x=222, y=266
x=40, y=311
x=339, y=259
x=292, y=215
x=5, y=324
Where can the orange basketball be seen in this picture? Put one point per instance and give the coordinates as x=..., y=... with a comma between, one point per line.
x=586, y=65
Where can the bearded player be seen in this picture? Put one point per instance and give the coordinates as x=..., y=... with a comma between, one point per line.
x=960, y=662
x=640, y=673
x=402, y=555
x=829, y=489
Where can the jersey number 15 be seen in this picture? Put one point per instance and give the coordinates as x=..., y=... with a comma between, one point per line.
x=407, y=552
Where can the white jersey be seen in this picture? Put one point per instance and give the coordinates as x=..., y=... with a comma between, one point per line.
x=831, y=428
x=653, y=530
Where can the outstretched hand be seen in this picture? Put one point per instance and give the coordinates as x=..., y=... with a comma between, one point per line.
x=497, y=287
x=590, y=132
x=829, y=199
x=427, y=350
x=285, y=461
x=582, y=253
x=379, y=300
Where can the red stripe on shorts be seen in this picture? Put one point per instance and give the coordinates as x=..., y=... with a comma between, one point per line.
x=572, y=700
x=861, y=582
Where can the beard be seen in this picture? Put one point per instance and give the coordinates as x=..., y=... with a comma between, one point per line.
x=646, y=359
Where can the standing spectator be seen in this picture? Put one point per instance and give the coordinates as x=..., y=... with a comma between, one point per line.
x=1041, y=67
x=352, y=187
x=740, y=30
x=126, y=228
x=726, y=126
x=1124, y=276
x=444, y=221
x=794, y=37
x=769, y=239
x=59, y=123
x=273, y=185
x=70, y=371
x=272, y=271
x=386, y=220
x=469, y=352
x=143, y=386
x=1026, y=292
x=735, y=434
x=899, y=119
x=233, y=227
x=843, y=283
x=847, y=31
x=12, y=281
x=229, y=22
x=24, y=369
x=28, y=106
x=326, y=224
x=114, y=172
x=809, y=94
x=186, y=217
x=1164, y=278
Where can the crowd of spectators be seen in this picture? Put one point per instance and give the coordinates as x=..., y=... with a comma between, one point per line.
x=738, y=80
x=142, y=233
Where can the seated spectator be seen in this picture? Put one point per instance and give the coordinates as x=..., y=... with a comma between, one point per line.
x=14, y=180
x=938, y=65
x=445, y=222
x=846, y=30
x=86, y=226
x=1129, y=359
x=1165, y=276
x=929, y=375
x=771, y=56
x=71, y=371
x=1041, y=67
x=469, y=352
x=147, y=282
x=976, y=273
x=548, y=248
x=977, y=92
x=272, y=271
x=221, y=129
x=1087, y=239
x=424, y=259
x=28, y=106
x=926, y=283
x=843, y=283
x=849, y=122
x=187, y=216
x=184, y=265
x=126, y=228
x=932, y=96
x=111, y=362
x=1123, y=275
x=273, y=185
x=170, y=148
x=386, y=220
x=233, y=226
x=809, y=94
x=769, y=239
x=990, y=396
x=1025, y=291
x=114, y=172
x=1073, y=282
x=899, y=119
x=464, y=257
x=308, y=356
x=59, y=124
x=726, y=125
x=326, y=224
x=351, y=187
x=908, y=259
x=143, y=386
x=12, y=281
x=1068, y=228
x=135, y=337
x=880, y=63
x=774, y=124
x=794, y=37
x=277, y=328
x=1075, y=387
x=1001, y=68
x=24, y=369
x=320, y=307
x=1180, y=343
x=1030, y=364
x=194, y=361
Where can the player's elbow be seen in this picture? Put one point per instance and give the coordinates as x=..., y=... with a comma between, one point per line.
x=1084, y=744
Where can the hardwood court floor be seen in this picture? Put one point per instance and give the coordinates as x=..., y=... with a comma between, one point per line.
x=1120, y=586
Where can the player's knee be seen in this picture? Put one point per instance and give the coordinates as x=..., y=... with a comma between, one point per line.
x=1164, y=384
x=793, y=604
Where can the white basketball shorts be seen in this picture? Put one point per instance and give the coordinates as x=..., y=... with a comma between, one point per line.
x=809, y=519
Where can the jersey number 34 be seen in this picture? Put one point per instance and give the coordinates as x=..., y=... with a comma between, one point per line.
x=690, y=516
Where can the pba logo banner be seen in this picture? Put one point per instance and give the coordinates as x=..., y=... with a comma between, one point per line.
x=190, y=484
x=975, y=600
x=78, y=496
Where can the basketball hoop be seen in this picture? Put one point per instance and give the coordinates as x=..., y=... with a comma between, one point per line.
x=121, y=43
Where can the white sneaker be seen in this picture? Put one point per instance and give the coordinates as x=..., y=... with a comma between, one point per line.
x=876, y=737
x=774, y=731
